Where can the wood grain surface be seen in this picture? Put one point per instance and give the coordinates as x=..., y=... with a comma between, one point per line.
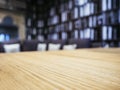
x=85, y=69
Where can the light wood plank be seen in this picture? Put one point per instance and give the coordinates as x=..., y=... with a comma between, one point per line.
x=85, y=69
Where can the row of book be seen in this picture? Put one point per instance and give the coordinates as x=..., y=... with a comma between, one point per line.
x=61, y=8
x=76, y=12
x=61, y=27
x=90, y=22
x=81, y=2
x=39, y=37
x=84, y=34
x=111, y=17
x=86, y=10
x=105, y=4
x=104, y=33
x=107, y=18
x=110, y=4
x=110, y=33
x=39, y=23
x=94, y=19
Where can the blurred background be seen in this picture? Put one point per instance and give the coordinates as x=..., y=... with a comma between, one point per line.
x=97, y=20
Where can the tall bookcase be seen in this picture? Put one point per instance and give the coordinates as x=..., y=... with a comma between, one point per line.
x=97, y=20
x=35, y=20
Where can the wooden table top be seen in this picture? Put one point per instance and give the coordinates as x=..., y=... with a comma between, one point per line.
x=85, y=69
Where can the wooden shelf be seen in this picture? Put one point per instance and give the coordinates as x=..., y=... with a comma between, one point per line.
x=90, y=23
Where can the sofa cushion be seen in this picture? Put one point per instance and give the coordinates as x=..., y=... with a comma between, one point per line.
x=54, y=46
x=2, y=49
x=62, y=42
x=41, y=47
x=11, y=48
x=69, y=47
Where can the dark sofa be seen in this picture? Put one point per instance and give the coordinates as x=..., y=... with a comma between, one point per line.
x=31, y=45
x=9, y=42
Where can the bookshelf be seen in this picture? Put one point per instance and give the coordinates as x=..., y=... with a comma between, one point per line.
x=97, y=20
x=35, y=23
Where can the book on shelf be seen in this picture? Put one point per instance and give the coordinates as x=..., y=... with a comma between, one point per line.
x=40, y=23
x=64, y=16
x=90, y=21
x=62, y=27
x=94, y=21
x=80, y=2
x=87, y=9
x=104, y=15
x=92, y=10
x=49, y=36
x=29, y=22
x=64, y=35
x=54, y=36
x=81, y=11
x=87, y=33
x=70, y=25
x=75, y=13
x=114, y=17
x=109, y=4
x=55, y=19
x=92, y=34
x=76, y=34
x=85, y=22
x=70, y=4
x=57, y=29
x=81, y=34
x=100, y=20
x=77, y=24
x=34, y=31
x=40, y=37
x=110, y=30
x=104, y=33
x=29, y=37
x=104, y=5
x=52, y=11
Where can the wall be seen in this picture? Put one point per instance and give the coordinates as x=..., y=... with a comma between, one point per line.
x=18, y=20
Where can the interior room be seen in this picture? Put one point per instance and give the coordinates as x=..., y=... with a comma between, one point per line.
x=59, y=44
